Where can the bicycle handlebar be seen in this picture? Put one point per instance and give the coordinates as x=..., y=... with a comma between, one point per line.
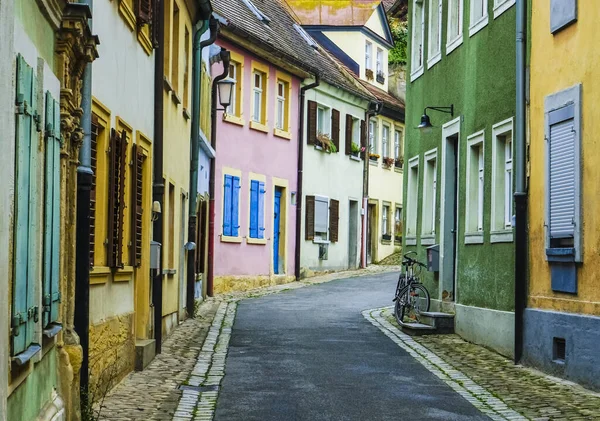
x=411, y=261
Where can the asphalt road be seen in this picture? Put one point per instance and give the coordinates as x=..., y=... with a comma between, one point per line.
x=308, y=354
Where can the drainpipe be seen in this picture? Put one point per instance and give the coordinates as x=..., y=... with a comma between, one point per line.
x=520, y=180
x=82, y=236
x=373, y=110
x=158, y=187
x=195, y=141
x=225, y=57
x=303, y=90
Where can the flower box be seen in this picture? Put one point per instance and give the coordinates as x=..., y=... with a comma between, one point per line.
x=373, y=157
x=386, y=237
x=399, y=163
x=388, y=162
x=380, y=77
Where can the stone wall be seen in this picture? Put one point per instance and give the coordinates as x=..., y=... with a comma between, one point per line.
x=224, y=284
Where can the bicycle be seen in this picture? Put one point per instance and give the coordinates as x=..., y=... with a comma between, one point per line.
x=412, y=298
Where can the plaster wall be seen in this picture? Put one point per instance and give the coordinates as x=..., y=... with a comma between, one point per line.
x=478, y=79
x=7, y=122
x=558, y=62
x=335, y=176
x=247, y=150
x=374, y=23
x=353, y=44
x=385, y=185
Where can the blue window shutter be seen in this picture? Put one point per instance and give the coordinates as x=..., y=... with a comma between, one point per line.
x=235, y=207
x=254, y=209
x=227, y=205
x=24, y=312
x=261, y=210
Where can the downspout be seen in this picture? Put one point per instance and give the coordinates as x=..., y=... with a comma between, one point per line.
x=225, y=57
x=82, y=236
x=303, y=90
x=520, y=179
x=158, y=187
x=374, y=109
x=195, y=142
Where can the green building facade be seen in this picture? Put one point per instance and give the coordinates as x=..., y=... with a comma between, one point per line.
x=458, y=182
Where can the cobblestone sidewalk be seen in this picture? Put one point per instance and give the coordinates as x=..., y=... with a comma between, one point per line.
x=492, y=382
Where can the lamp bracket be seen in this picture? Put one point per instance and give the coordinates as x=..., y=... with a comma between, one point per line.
x=447, y=110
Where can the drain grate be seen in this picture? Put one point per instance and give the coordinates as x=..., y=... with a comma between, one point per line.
x=209, y=388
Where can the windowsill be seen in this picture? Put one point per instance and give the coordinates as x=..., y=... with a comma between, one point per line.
x=454, y=44
x=175, y=98
x=319, y=241
x=169, y=272
x=474, y=238
x=99, y=275
x=186, y=114
x=145, y=42
x=230, y=118
x=354, y=158
x=167, y=84
x=125, y=270
x=255, y=125
x=374, y=163
x=478, y=26
x=320, y=149
x=501, y=8
x=386, y=242
x=411, y=241
x=228, y=239
x=282, y=133
x=417, y=73
x=127, y=14
x=261, y=241
x=52, y=330
x=25, y=356
x=398, y=170
x=434, y=59
x=503, y=236
x=427, y=240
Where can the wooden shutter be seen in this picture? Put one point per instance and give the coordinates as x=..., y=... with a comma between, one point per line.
x=155, y=20
x=309, y=223
x=334, y=215
x=235, y=207
x=363, y=137
x=118, y=152
x=94, y=165
x=144, y=11
x=202, y=236
x=254, y=187
x=24, y=310
x=348, y=139
x=112, y=198
x=227, y=188
x=335, y=128
x=311, y=123
x=261, y=210
x=51, y=292
x=137, y=203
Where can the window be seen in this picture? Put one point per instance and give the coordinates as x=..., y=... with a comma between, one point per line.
x=398, y=144
x=398, y=222
x=412, y=198
x=502, y=180
x=321, y=217
x=257, y=209
x=257, y=12
x=435, y=32
x=379, y=61
x=282, y=111
x=186, y=68
x=500, y=6
x=429, y=193
x=234, y=73
x=418, y=37
x=368, y=55
x=475, y=185
x=455, y=24
x=257, y=96
x=373, y=136
x=321, y=221
x=385, y=222
x=323, y=120
x=231, y=201
x=171, y=229
x=384, y=141
x=176, y=52
x=305, y=36
x=352, y=136
x=479, y=16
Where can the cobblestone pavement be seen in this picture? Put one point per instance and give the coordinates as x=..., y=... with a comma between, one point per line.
x=494, y=381
x=154, y=394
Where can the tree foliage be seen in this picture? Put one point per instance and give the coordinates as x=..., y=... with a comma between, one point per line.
x=399, y=30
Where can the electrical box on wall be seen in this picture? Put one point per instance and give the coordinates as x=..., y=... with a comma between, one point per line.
x=155, y=255
x=433, y=258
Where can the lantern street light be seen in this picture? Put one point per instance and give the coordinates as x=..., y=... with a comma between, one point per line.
x=225, y=88
x=426, y=123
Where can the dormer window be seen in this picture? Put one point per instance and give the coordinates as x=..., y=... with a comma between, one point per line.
x=260, y=15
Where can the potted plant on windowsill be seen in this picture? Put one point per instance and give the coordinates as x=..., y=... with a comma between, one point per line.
x=374, y=156
x=388, y=162
x=399, y=163
x=325, y=143
x=369, y=74
x=355, y=149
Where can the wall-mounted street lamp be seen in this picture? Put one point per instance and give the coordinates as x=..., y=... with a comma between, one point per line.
x=225, y=88
x=426, y=123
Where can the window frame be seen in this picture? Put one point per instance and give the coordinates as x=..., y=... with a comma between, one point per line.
x=386, y=228
x=286, y=130
x=474, y=212
x=428, y=211
x=454, y=41
x=236, y=116
x=415, y=72
x=385, y=140
x=412, y=199
x=372, y=136
x=233, y=173
x=368, y=55
x=434, y=56
x=260, y=237
x=318, y=237
x=501, y=6
x=398, y=143
x=500, y=226
x=263, y=71
x=481, y=22
x=398, y=225
x=378, y=61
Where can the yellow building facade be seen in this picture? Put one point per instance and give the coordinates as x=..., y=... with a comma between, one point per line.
x=562, y=323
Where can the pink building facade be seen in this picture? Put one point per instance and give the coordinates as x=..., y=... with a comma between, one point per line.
x=255, y=177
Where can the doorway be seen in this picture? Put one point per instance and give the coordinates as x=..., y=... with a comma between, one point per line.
x=371, y=232
x=353, y=234
x=277, y=213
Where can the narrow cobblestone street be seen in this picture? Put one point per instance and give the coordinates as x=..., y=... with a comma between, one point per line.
x=314, y=350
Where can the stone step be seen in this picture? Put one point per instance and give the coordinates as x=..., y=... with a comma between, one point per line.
x=417, y=329
x=441, y=322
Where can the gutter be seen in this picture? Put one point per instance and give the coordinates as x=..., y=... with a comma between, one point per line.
x=225, y=57
x=299, y=199
x=198, y=45
x=374, y=109
x=520, y=180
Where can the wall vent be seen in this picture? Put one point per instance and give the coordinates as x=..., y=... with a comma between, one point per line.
x=559, y=350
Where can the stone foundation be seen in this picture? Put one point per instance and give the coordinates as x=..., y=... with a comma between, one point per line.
x=224, y=284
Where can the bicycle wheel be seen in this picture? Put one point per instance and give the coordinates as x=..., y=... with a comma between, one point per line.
x=416, y=302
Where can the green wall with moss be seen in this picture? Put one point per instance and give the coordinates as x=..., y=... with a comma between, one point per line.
x=478, y=77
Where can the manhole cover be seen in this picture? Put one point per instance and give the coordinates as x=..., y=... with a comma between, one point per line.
x=200, y=389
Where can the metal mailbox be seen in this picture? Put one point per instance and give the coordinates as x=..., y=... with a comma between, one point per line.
x=433, y=258
x=154, y=255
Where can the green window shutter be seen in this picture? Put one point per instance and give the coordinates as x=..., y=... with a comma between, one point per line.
x=24, y=310
x=51, y=294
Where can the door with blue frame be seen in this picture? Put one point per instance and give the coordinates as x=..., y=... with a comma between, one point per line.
x=276, y=230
